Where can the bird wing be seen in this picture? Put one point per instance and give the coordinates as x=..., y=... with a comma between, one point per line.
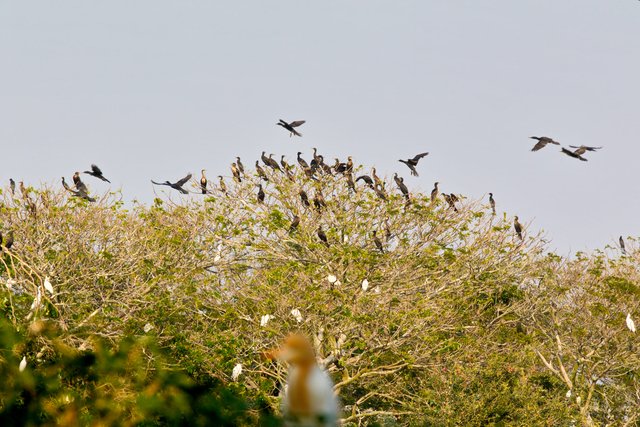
x=297, y=123
x=96, y=170
x=419, y=156
x=539, y=145
x=183, y=180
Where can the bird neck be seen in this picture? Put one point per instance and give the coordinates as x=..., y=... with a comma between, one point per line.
x=298, y=390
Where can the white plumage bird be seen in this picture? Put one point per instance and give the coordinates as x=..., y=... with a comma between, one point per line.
x=235, y=373
x=309, y=400
x=48, y=286
x=23, y=364
x=630, y=323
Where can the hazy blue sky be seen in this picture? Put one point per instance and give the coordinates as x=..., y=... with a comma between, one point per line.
x=155, y=89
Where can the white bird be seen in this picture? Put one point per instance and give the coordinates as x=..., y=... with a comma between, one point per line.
x=37, y=300
x=47, y=285
x=265, y=319
x=297, y=315
x=630, y=323
x=365, y=285
x=237, y=370
x=308, y=399
x=332, y=279
x=23, y=363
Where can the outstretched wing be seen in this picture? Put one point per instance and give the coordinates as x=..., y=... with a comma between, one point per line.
x=183, y=180
x=419, y=156
x=539, y=145
x=96, y=170
x=297, y=123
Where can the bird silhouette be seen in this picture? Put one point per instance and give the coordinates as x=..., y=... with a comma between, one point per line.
x=377, y=242
x=294, y=223
x=223, y=185
x=290, y=126
x=261, y=173
x=235, y=171
x=518, y=227
x=367, y=179
x=203, y=182
x=304, y=198
x=12, y=186
x=260, y=194
x=96, y=172
x=573, y=154
x=435, y=192
x=584, y=148
x=492, y=203
x=239, y=165
x=622, y=247
x=302, y=162
x=542, y=142
x=413, y=162
x=175, y=185
x=322, y=236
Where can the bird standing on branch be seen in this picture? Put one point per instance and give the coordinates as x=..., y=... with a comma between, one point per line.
x=239, y=165
x=413, y=162
x=235, y=171
x=518, y=227
x=203, y=182
x=290, y=126
x=435, y=192
x=622, y=248
x=322, y=236
x=492, y=203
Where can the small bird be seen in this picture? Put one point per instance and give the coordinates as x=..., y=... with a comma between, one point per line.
x=236, y=172
x=76, y=178
x=376, y=179
x=260, y=194
x=349, y=164
x=96, y=172
x=318, y=200
x=239, y=165
x=304, y=198
x=290, y=126
x=573, y=154
x=261, y=173
x=223, y=185
x=286, y=166
x=584, y=148
x=377, y=242
x=175, y=185
x=350, y=183
x=518, y=227
x=308, y=398
x=65, y=185
x=542, y=142
x=322, y=236
x=413, y=162
x=81, y=191
x=302, y=162
x=270, y=162
x=203, y=182
x=492, y=203
x=451, y=200
x=12, y=186
x=294, y=223
x=622, y=247
x=367, y=179
x=630, y=323
x=401, y=185
x=339, y=167
x=435, y=192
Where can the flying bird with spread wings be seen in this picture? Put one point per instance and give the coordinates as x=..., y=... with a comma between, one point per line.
x=575, y=154
x=176, y=185
x=413, y=162
x=542, y=142
x=96, y=172
x=290, y=126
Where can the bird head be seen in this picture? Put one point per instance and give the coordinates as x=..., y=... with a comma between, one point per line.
x=516, y=218
x=491, y=194
x=296, y=349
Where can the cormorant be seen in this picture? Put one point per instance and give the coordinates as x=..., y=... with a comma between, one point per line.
x=377, y=241
x=573, y=154
x=76, y=178
x=260, y=194
x=270, y=162
x=380, y=192
x=542, y=141
x=434, y=192
x=236, y=172
x=518, y=227
x=318, y=200
x=223, y=185
x=203, y=182
x=401, y=185
x=412, y=163
x=286, y=166
x=12, y=186
x=304, y=197
x=322, y=236
x=367, y=179
x=451, y=200
x=9, y=241
x=376, y=179
x=261, y=173
x=387, y=230
x=339, y=167
x=176, y=185
x=290, y=126
x=624, y=250
x=492, y=203
x=349, y=164
x=350, y=183
x=302, y=162
x=239, y=165
x=294, y=223
x=584, y=148
x=96, y=172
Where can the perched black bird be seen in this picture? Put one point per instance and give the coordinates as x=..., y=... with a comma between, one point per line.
x=261, y=173
x=260, y=194
x=286, y=166
x=270, y=162
x=542, y=142
x=387, y=230
x=223, y=185
x=367, y=179
x=376, y=179
x=435, y=192
x=401, y=185
x=412, y=163
x=96, y=172
x=492, y=203
x=377, y=242
x=76, y=178
x=350, y=183
x=65, y=185
x=349, y=164
x=302, y=162
x=294, y=223
x=236, y=172
x=518, y=227
x=290, y=126
x=573, y=154
x=584, y=148
x=309, y=173
x=203, y=182
x=624, y=250
x=339, y=167
x=81, y=191
x=175, y=185
x=380, y=192
x=325, y=167
x=9, y=241
x=239, y=165
x=318, y=200
x=12, y=186
x=322, y=236
x=304, y=198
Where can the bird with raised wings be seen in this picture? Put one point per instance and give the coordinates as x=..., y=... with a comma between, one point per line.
x=413, y=162
x=176, y=185
x=290, y=126
x=583, y=149
x=542, y=142
x=96, y=172
x=575, y=154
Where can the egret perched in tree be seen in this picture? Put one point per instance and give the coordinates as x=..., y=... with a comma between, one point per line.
x=630, y=323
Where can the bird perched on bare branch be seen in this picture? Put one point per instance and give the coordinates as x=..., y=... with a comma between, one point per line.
x=260, y=194
x=380, y=192
x=349, y=164
x=239, y=165
x=350, y=183
x=573, y=154
x=622, y=248
x=318, y=200
x=235, y=171
x=322, y=236
x=413, y=162
x=175, y=185
x=290, y=126
x=304, y=198
x=584, y=148
x=302, y=162
x=12, y=186
x=435, y=192
x=294, y=223
x=376, y=179
x=81, y=191
x=286, y=166
x=270, y=162
x=96, y=172
x=542, y=142
x=203, y=182
x=492, y=203
x=223, y=185
x=401, y=185
x=367, y=179
x=261, y=173
x=518, y=227
x=339, y=167
x=377, y=242
x=451, y=200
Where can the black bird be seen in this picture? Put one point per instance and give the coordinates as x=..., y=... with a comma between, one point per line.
x=518, y=227
x=401, y=185
x=9, y=241
x=451, y=200
x=175, y=185
x=309, y=173
x=377, y=242
x=223, y=185
x=302, y=162
x=349, y=164
x=492, y=203
x=573, y=154
x=304, y=198
x=236, y=172
x=325, y=167
x=624, y=250
x=318, y=200
x=350, y=183
x=339, y=167
x=290, y=126
x=96, y=172
x=261, y=173
x=435, y=192
x=315, y=162
x=260, y=194
x=387, y=230
x=367, y=179
x=12, y=186
x=584, y=148
x=380, y=192
x=81, y=191
x=286, y=166
x=203, y=182
x=323, y=236
x=412, y=163
x=270, y=162
x=239, y=165
x=542, y=142
x=294, y=223
x=65, y=185
x=76, y=178
x=376, y=179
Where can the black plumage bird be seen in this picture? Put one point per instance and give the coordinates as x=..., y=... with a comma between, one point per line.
x=76, y=178
x=9, y=242
x=451, y=200
x=584, y=148
x=542, y=142
x=367, y=179
x=302, y=162
x=235, y=171
x=435, y=192
x=492, y=203
x=270, y=162
x=239, y=165
x=350, y=183
x=175, y=185
x=261, y=173
x=339, y=167
x=318, y=200
x=322, y=236
x=12, y=186
x=622, y=247
x=260, y=194
x=380, y=192
x=413, y=162
x=377, y=242
x=81, y=190
x=304, y=198
x=573, y=154
x=286, y=166
x=290, y=126
x=376, y=179
x=294, y=224
x=401, y=185
x=349, y=164
x=96, y=172
x=203, y=182
x=518, y=227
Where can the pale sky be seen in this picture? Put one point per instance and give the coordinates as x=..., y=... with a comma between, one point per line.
x=155, y=89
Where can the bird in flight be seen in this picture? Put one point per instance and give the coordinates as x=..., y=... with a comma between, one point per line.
x=575, y=154
x=96, y=172
x=583, y=149
x=542, y=142
x=413, y=162
x=176, y=185
x=290, y=126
